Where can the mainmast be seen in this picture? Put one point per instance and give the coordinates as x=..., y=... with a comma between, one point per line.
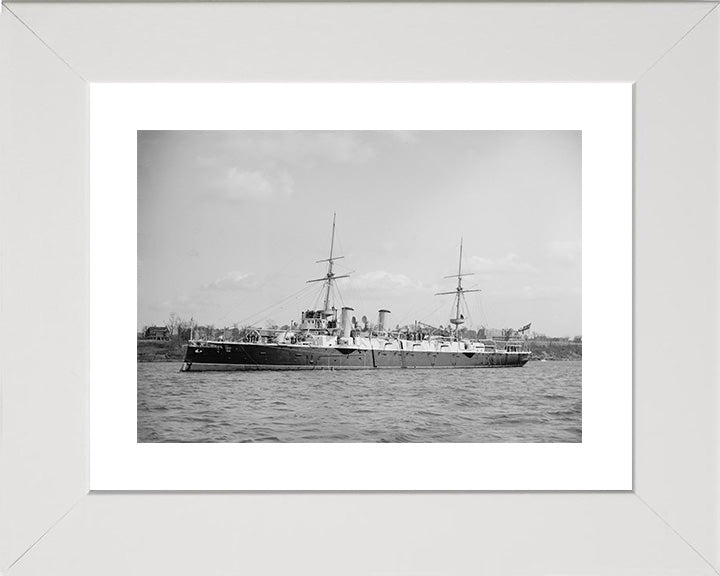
x=330, y=276
x=459, y=294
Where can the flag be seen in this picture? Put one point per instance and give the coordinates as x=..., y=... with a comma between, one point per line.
x=526, y=327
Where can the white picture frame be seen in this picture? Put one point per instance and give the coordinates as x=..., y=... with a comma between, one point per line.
x=50, y=523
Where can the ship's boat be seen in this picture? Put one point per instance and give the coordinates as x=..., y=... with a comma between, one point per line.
x=326, y=339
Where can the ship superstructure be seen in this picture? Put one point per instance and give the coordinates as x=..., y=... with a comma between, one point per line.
x=324, y=339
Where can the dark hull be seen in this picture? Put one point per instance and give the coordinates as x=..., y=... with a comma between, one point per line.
x=242, y=356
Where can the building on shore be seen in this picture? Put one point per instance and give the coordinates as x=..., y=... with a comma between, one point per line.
x=156, y=333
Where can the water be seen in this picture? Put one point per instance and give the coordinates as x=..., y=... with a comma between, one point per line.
x=540, y=402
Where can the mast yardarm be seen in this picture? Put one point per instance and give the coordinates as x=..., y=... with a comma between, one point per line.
x=330, y=276
x=459, y=293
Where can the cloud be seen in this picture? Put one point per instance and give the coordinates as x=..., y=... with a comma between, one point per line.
x=382, y=281
x=238, y=184
x=282, y=149
x=259, y=166
x=309, y=146
x=548, y=293
x=199, y=301
x=185, y=303
x=232, y=282
x=508, y=264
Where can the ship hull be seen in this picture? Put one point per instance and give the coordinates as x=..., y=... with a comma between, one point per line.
x=248, y=356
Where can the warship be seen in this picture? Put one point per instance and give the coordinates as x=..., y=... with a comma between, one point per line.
x=333, y=339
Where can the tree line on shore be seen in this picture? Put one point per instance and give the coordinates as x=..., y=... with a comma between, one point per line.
x=180, y=330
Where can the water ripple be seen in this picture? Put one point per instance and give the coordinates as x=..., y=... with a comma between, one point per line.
x=541, y=402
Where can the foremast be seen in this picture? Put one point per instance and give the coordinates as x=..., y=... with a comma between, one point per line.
x=459, y=294
x=330, y=276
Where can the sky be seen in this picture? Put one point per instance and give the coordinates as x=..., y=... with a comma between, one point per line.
x=231, y=223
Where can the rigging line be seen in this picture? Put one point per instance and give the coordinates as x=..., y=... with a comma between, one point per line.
x=345, y=269
x=280, y=269
x=357, y=294
x=422, y=313
x=353, y=292
x=277, y=307
x=416, y=312
x=440, y=305
x=468, y=312
x=287, y=298
x=320, y=293
x=339, y=243
x=252, y=317
x=419, y=311
x=287, y=264
x=484, y=313
x=267, y=308
x=339, y=295
x=262, y=316
x=284, y=306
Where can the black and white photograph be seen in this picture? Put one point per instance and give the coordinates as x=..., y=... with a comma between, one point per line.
x=359, y=286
